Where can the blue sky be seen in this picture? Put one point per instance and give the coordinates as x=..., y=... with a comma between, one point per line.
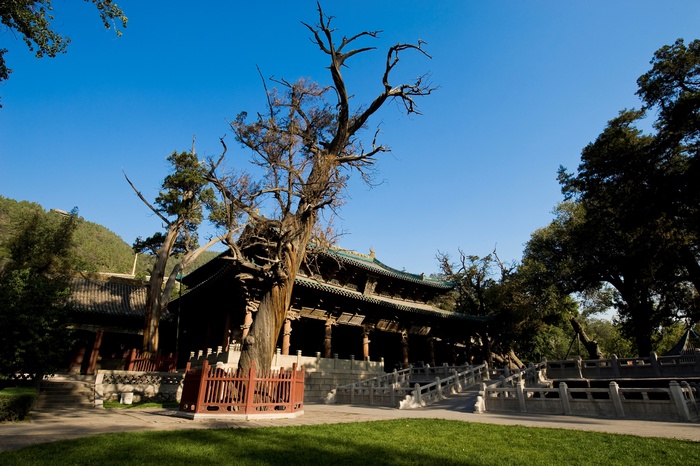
x=524, y=86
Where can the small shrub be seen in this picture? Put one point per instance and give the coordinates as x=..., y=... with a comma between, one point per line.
x=15, y=403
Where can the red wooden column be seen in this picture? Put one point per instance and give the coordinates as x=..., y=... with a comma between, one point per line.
x=95, y=352
x=328, y=339
x=286, y=335
x=431, y=350
x=365, y=344
x=227, y=332
x=404, y=349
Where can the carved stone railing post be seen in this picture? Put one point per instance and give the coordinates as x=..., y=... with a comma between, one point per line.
x=616, y=399
x=654, y=360
x=564, y=398
x=418, y=395
x=689, y=391
x=480, y=405
x=679, y=400
x=579, y=368
x=520, y=392
x=615, y=365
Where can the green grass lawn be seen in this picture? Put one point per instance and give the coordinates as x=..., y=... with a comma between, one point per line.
x=397, y=442
x=17, y=391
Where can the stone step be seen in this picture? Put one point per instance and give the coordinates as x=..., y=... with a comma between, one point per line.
x=66, y=391
x=46, y=405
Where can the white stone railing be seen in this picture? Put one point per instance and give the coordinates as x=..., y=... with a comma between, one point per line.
x=633, y=368
x=677, y=402
x=533, y=374
x=423, y=395
x=402, y=389
x=230, y=358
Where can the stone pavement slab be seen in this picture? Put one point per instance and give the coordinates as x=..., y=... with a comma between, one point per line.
x=59, y=424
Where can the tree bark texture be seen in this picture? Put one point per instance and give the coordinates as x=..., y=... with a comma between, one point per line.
x=590, y=345
x=154, y=301
x=259, y=345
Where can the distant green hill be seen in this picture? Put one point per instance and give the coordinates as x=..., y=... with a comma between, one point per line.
x=97, y=248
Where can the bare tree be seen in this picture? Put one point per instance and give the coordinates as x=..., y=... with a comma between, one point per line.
x=306, y=147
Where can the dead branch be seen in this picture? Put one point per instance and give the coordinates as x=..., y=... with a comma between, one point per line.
x=148, y=204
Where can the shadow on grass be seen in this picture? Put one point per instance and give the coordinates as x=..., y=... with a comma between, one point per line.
x=396, y=442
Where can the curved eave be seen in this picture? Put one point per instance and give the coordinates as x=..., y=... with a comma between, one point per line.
x=433, y=312
x=373, y=265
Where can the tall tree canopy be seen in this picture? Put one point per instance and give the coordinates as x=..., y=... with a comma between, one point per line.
x=184, y=195
x=306, y=143
x=33, y=292
x=634, y=222
x=32, y=21
x=525, y=309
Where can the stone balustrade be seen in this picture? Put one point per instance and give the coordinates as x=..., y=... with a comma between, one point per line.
x=410, y=388
x=627, y=368
x=678, y=402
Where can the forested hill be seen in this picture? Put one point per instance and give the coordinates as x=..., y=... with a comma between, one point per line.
x=97, y=249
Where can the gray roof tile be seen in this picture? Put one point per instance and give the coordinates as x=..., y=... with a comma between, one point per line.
x=108, y=297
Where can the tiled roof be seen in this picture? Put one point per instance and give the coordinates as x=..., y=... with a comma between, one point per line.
x=418, y=308
x=356, y=259
x=111, y=297
x=370, y=263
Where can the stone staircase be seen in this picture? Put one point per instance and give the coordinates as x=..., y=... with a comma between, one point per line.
x=66, y=392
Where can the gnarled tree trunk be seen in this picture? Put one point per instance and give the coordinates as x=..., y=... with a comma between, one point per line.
x=590, y=345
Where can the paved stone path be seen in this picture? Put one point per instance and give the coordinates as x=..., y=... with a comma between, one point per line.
x=58, y=424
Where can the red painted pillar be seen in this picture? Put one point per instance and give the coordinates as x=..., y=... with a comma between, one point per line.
x=199, y=408
x=327, y=347
x=365, y=345
x=286, y=336
x=431, y=350
x=95, y=352
x=404, y=349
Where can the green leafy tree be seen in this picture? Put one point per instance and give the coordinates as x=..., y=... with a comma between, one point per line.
x=527, y=312
x=33, y=291
x=306, y=146
x=672, y=89
x=32, y=21
x=609, y=337
x=183, y=197
x=634, y=224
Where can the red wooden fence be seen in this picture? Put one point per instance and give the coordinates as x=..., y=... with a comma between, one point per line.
x=158, y=363
x=218, y=391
